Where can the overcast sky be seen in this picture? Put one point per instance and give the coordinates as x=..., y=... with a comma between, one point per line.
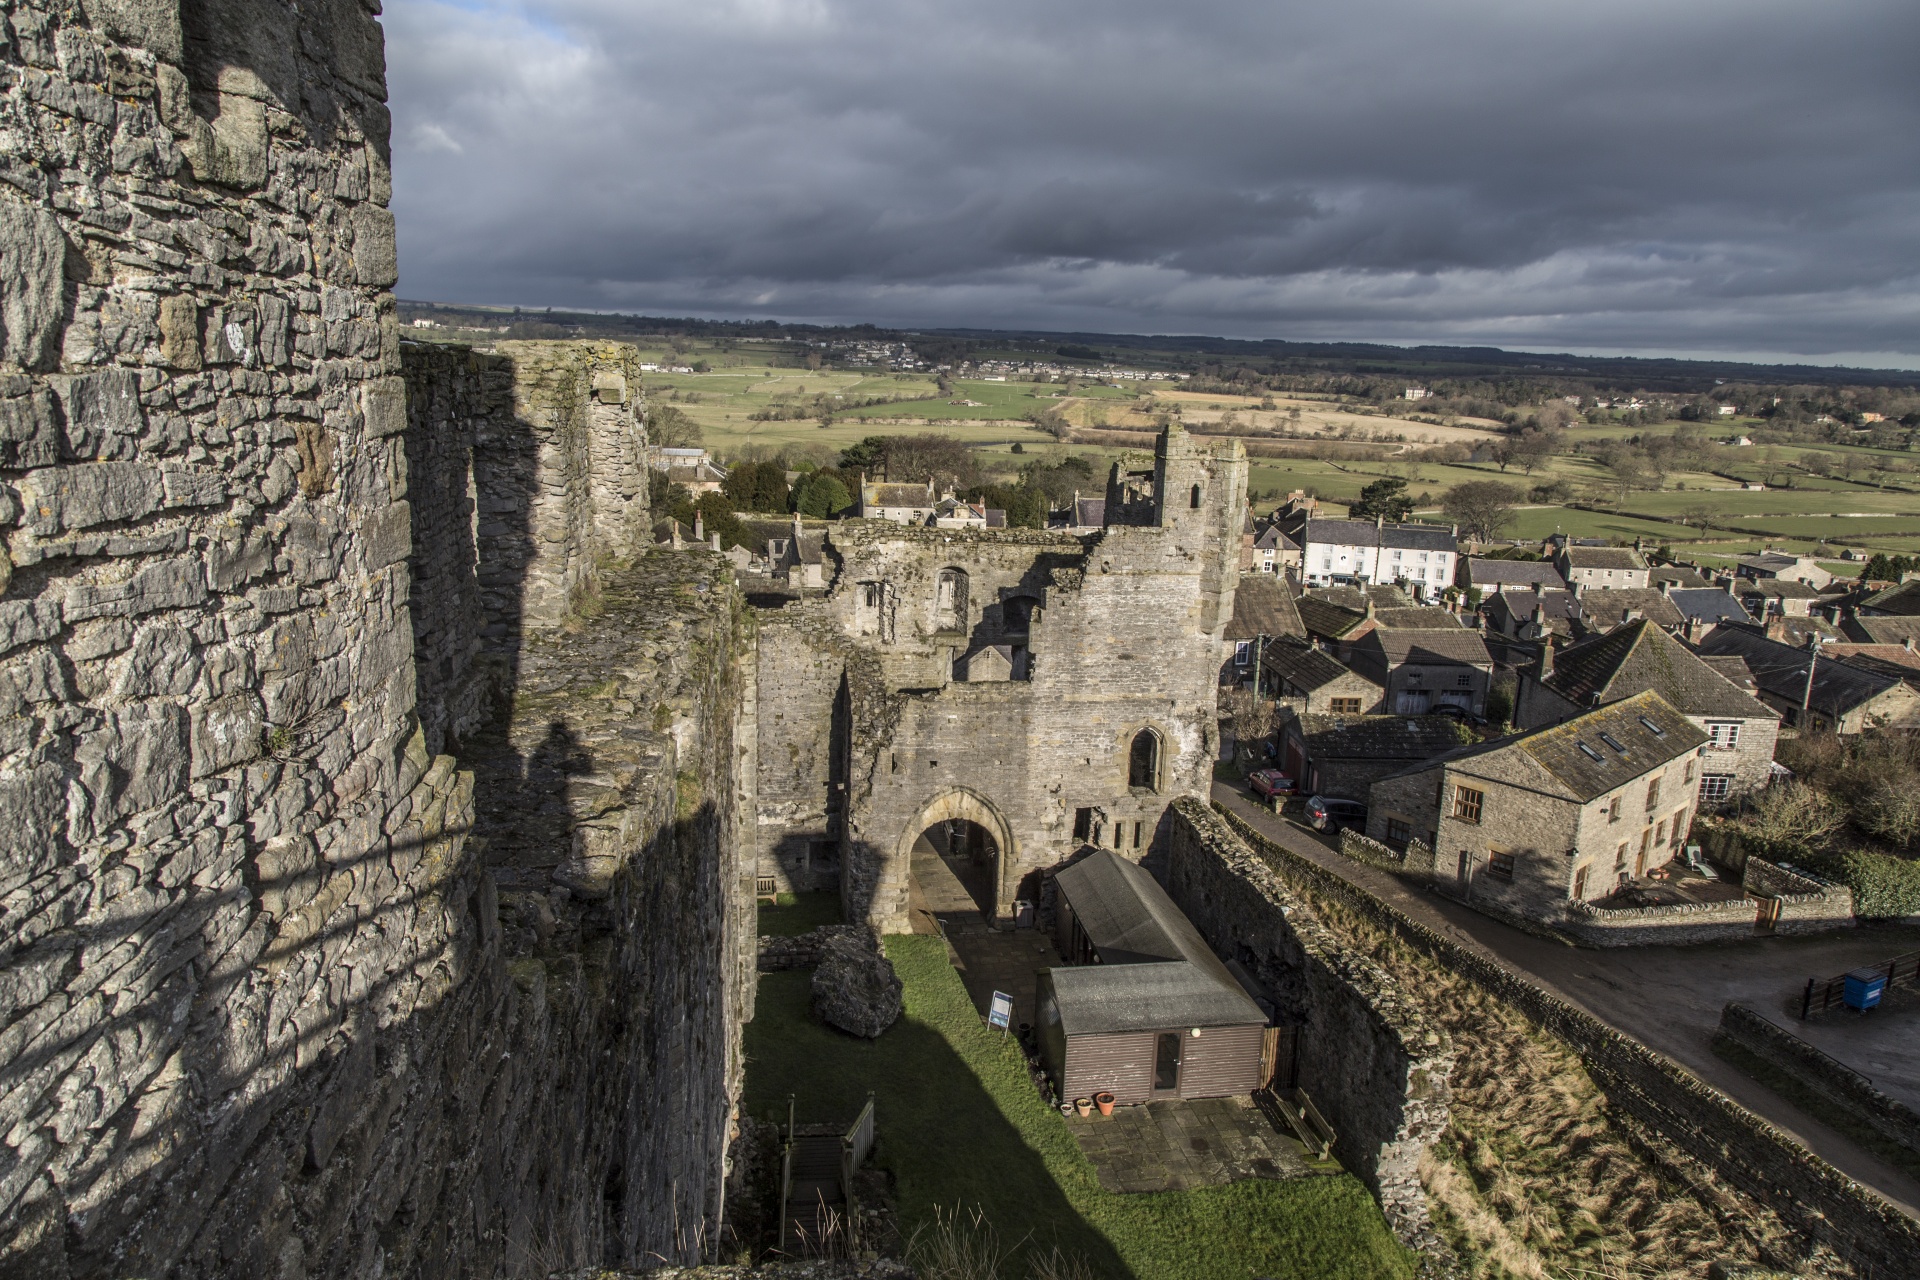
x=1739, y=177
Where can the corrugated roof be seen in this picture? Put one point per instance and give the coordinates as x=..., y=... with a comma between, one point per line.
x=1638, y=657
x=1263, y=605
x=1102, y=999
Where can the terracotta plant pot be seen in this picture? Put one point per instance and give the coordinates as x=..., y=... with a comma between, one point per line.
x=1104, y=1101
x=1083, y=1105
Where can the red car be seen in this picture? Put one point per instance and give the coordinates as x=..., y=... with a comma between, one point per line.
x=1271, y=784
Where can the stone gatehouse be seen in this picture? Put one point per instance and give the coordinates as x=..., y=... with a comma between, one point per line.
x=1053, y=689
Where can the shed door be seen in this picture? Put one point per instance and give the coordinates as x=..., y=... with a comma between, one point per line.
x=1166, y=1063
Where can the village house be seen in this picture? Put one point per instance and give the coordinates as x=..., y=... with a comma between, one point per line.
x=1364, y=551
x=1272, y=551
x=1343, y=755
x=1741, y=731
x=957, y=513
x=1899, y=601
x=1492, y=577
x=1567, y=813
x=1145, y=1010
x=1678, y=577
x=1764, y=598
x=1604, y=608
x=1423, y=670
x=1532, y=615
x=1779, y=566
x=798, y=559
x=1263, y=610
x=1300, y=676
x=1814, y=692
x=690, y=468
x=901, y=503
x=1602, y=566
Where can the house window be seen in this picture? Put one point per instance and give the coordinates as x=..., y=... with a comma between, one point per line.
x=1653, y=794
x=1500, y=864
x=1399, y=833
x=1464, y=681
x=1467, y=803
x=1344, y=706
x=1686, y=774
x=1715, y=787
x=1723, y=735
x=1242, y=652
x=1613, y=809
x=1620, y=856
x=1143, y=760
x=1660, y=832
x=1580, y=884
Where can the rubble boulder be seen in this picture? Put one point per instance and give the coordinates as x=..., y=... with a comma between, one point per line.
x=854, y=985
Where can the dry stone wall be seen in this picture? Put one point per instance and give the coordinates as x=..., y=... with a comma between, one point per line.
x=265, y=1008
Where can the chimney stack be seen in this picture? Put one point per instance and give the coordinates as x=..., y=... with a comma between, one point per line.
x=1546, y=656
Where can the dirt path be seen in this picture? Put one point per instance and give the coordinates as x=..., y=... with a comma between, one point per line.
x=1668, y=998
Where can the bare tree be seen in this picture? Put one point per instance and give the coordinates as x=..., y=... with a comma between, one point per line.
x=1482, y=508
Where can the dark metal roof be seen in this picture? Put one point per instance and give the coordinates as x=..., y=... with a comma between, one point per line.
x=1638, y=657
x=1263, y=605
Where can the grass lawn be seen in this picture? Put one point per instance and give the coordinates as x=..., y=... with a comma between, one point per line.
x=961, y=1125
x=799, y=913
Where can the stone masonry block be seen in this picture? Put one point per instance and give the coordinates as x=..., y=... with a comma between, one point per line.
x=102, y=412
x=33, y=252
x=79, y=497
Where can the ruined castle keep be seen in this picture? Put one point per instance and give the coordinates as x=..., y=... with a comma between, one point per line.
x=288, y=990
x=1052, y=689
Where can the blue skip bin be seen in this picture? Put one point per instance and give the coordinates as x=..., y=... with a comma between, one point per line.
x=1864, y=987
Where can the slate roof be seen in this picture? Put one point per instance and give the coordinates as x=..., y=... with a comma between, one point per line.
x=1772, y=562
x=1383, y=595
x=1418, y=619
x=1365, y=533
x=1518, y=606
x=1603, y=558
x=1323, y=619
x=1274, y=540
x=1540, y=573
x=1902, y=601
x=1682, y=577
x=1638, y=657
x=1707, y=604
x=1869, y=630
x=1557, y=749
x=1780, y=588
x=1605, y=607
x=1089, y=513
x=1155, y=970
x=1263, y=605
x=1781, y=670
x=1329, y=737
x=1731, y=669
x=881, y=494
x=1894, y=660
x=1427, y=647
x=1305, y=666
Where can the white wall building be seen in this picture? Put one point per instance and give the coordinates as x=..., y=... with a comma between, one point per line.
x=1420, y=555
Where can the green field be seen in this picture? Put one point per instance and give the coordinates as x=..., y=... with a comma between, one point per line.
x=960, y=1126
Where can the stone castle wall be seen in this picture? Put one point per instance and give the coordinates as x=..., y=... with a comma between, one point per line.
x=1371, y=1062
x=267, y=1008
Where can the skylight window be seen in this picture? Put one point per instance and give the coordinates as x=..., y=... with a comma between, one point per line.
x=1653, y=728
x=1591, y=754
x=1613, y=742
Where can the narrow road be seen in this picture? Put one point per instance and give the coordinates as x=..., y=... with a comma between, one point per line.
x=1668, y=998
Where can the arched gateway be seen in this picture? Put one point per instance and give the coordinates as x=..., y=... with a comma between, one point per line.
x=965, y=832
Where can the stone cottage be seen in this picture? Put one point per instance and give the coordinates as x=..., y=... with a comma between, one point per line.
x=1426, y=668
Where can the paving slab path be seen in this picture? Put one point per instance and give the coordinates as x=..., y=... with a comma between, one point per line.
x=1178, y=1145
x=1669, y=998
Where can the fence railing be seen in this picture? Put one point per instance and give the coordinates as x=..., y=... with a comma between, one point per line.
x=1824, y=994
x=855, y=1147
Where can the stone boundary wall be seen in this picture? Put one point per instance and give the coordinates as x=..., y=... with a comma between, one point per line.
x=1749, y=1153
x=1826, y=1076
x=1806, y=906
x=1372, y=1063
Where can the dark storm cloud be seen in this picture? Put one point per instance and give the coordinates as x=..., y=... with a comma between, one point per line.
x=1720, y=175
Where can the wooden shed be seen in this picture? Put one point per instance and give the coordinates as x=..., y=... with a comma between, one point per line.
x=1147, y=1011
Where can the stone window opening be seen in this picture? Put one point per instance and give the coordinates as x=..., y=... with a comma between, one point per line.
x=1083, y=824
x=1500, y=864
x=1344, y=706
x=1467, y=803
x=950, y=600
x=1194, y=501
x=1143, y=761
